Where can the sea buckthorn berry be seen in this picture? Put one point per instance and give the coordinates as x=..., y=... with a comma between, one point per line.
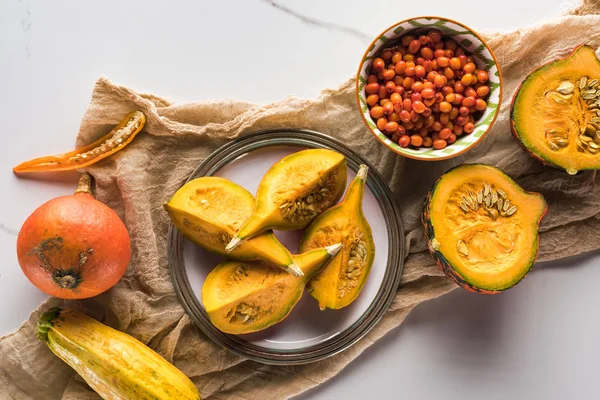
x=458, y=130
x=458, y=100
x=389, y=74
x=394, y=117
x=418, y=107
x=399, y=89
x=427, y=112
x=408, y=57
x=449, y=53
x=404, y=141
x=429, y=120
x=453, y=113
x=462, y=58
x=424, y=40
x=416, y=140
x=444, y=133
x=459, y=88
x=431, y=76
x=372, y=88
x=405, y=40
x=376, y=112
x=448, y=73
x=401, y=130
x=427, y=53
x=404, y=116
x=400, y=67
x=386, y=54
x=480, y=105
x=435, y=136
x=428, y=65
x=372, y=78
x=428, y=93
x=483, y=91
x=436, y=126
x=439, y=144
x=422, y=130
x=468, y=101
x=372, y=99
x=390, y=86
x=435, y=35
x=467, y=79
x=414, y=46
x=469, y=67
x=450, y=97
x=408, y=125
x=462, y=120
x=482, y=76
x=408, y=82
x=438, y=45
x=427, y=141
x=445, y=107
x=464, y=110
x=410, y=71
x=470, y=92
x=459, y=52
x=444, y=119
x=397, y=56
x=407, y=104
x=413, y=116
x=469, y=127
x=454, y=63
x=381, y=123
x=420, y=71
x=388, y=108
x=394, y=97
x=440, y=81
x=420, y=61
x=410, y=64
x=391, y=126
x=419, y=123
x=439, y=53
x=451, y=44
x=443, y=61
x=378, y=64
x=451, y=139
x=382, y=93
x=416, y=96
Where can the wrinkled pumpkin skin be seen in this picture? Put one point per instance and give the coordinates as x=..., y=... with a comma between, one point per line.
x=534, y=115
x=341, y=281
x=209, y=210
x=244, y=297
x=531, y=208
x=294, y=191
x=114, y=364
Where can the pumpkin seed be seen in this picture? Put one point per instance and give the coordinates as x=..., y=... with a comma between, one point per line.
x=586, y=96
x=486, y=189
x=462, y=248
x=553, y=146
x=592, y=150
x=493, y=213
x=502, y=193
x=565, y=87
x=562, y=142
x=593, y=82
x=499, y=205
x=506, y=205
x=593, y=145
x=494, y=197
x=585, y=139
x=511, y=211
x=480, y=196
x=582, y=83
x=464, y=207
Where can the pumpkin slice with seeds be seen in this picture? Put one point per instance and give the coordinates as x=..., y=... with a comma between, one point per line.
x=556, y=112
x=294, y=191
x=482, y=227
x=245, y=297
x=209, y=210
x=340, y=283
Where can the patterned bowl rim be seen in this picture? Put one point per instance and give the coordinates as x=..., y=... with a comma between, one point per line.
x=400, y=151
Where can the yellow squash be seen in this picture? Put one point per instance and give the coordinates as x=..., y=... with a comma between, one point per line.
x=294, y=191
x=341, y=281
x=114, y=364
x=209, y=211
x=244, y=297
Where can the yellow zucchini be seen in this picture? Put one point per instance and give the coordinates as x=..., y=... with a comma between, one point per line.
x=114, y=364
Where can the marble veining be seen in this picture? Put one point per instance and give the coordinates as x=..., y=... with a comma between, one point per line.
x=321, y=24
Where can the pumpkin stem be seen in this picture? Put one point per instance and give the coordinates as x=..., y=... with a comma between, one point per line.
x=85, y=184
x=67, y=279
x=45, y=322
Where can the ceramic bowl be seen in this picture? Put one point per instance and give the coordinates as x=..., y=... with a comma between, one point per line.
x=473, y=44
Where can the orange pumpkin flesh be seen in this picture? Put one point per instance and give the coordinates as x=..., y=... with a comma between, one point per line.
x=74, y=247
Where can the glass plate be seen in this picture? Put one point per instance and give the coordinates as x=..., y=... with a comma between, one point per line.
x=307, y=334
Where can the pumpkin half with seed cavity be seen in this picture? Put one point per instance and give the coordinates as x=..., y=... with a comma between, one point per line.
x=556, y=112
x=482, y=227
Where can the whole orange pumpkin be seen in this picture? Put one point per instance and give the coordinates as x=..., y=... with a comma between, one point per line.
x=74, y=247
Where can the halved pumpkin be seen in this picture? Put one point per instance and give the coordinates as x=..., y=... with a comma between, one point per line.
x=482, y=227
x=556, y=112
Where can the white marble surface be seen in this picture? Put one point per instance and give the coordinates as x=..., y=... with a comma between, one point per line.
x=539, y=340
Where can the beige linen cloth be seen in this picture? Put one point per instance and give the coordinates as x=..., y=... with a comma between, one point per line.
x=137, y=181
